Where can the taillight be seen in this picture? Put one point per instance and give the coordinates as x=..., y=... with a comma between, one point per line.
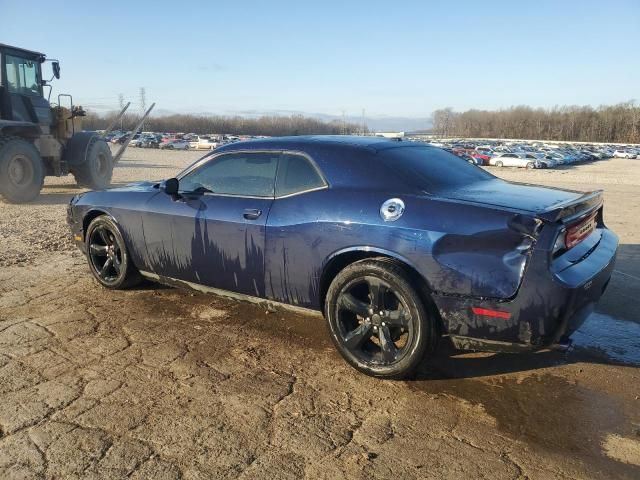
x=574, y=234
x=560, y=244
x=577, y=233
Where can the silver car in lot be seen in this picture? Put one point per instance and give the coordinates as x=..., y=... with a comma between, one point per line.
x=510, y=159
x=175, y=145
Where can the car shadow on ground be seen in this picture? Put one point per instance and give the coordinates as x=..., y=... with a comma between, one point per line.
x=447, y=363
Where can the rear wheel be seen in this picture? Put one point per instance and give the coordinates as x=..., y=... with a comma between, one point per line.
x=21, y=170
x=377, y=319
x=108, y=257
x=97, y=168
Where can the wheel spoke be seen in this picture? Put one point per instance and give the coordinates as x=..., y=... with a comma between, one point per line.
x=399, y=317
x=116, y=266
x=388, y=348
x=376, y=293
x=98, y=250
x=104, y=236
x=355, y=338
x=351, y=303
x=105, y=268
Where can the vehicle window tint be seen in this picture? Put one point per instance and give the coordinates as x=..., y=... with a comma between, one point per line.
x=432, y=169
x=296, y=174
x=246, y=174
x=22, y=75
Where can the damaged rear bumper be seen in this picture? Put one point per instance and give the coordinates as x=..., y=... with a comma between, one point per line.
x=547, y=309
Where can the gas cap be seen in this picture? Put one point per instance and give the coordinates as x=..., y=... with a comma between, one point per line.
x=392, y=210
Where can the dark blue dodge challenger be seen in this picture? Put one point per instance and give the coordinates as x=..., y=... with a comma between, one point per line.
x=396, y=243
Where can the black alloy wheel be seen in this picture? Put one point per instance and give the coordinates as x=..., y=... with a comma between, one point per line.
x=377, y=319
x=107, y=254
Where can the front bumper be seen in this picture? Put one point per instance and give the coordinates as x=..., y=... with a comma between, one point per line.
x=75, y=225
x=546, y=310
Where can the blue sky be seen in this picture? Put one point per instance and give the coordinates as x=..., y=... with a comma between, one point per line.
x=391, y=58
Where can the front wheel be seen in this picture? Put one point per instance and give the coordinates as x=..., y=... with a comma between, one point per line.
x=531, y=165
x=377, y=319
x=21, y=170
x=499, y=164
x=108, y=257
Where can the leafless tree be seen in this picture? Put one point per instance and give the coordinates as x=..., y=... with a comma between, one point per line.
x=266, y=125
x=608, y=123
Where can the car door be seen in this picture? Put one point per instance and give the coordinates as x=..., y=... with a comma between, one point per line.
x=217, y=222
x=295, y=232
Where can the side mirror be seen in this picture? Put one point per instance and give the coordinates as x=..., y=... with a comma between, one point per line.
x=170, y=186
x=56, y=69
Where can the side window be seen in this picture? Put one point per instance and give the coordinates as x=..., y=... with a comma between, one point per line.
x=243, y=174
x=296, y=174
x=22, y=75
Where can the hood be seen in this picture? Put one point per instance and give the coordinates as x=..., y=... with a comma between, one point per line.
x=518, y=196
x=135, y=187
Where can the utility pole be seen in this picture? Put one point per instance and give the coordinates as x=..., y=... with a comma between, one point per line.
x=344, y=124
x=364, y=125
x=121, y=102
x=143, y=104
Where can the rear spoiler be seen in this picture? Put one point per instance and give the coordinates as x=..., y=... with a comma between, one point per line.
x=573, y=209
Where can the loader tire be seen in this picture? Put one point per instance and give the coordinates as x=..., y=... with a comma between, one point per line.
x=21, y=170
x=97, y=169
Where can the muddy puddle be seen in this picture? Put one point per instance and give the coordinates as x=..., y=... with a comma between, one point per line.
x=609, y=338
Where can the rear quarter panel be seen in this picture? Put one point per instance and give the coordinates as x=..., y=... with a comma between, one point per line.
x=457, y=248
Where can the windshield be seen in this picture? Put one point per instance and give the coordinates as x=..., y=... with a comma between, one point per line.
x=432, y=169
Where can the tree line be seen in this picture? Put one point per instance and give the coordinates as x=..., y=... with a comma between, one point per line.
x=608, y=123
x=236, y=125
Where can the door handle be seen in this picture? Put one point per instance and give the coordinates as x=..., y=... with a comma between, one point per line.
x=251, y=213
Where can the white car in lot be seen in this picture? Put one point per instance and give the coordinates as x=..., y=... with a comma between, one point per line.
x=175, y=145
x=510, y=159
x=203, y=143
x=624, y=154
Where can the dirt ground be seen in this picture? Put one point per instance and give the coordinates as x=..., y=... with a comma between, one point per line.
x=160, y=383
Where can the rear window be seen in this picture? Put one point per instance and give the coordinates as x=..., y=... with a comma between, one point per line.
x=432, y=169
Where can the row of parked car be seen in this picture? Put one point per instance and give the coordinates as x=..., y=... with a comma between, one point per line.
x=534, y=154
x=172, y=141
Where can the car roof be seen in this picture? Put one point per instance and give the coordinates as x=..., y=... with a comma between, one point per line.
x=344, y=160
x=372, y=144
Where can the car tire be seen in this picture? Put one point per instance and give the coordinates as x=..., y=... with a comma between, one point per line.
x=96, y=170
x=388, y=345
x=531, y=165
x=499, y=164
x=108, y=257
x=21, y=170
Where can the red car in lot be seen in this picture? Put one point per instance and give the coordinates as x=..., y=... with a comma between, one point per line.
x=479, y=156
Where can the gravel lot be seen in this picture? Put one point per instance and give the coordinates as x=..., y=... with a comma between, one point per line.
x=164, y=383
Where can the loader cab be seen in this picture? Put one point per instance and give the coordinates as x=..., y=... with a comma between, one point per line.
x=21, y=87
